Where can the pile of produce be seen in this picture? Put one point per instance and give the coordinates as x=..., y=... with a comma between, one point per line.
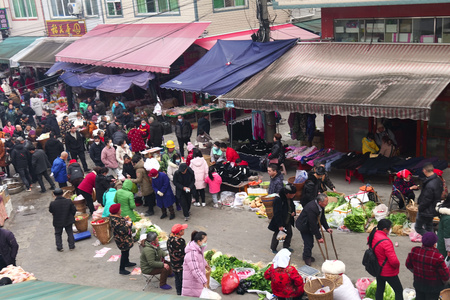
x=256, y=203
x=222, y=264
x=145, y=225
x=398, y=221
x=357, y=219
x=388, y=291
x=16, y=274
x=81, y=217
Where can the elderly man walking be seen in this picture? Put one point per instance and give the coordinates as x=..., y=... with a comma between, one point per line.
x=59, y=169
x=63, y=211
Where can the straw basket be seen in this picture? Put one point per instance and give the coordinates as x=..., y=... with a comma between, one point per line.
x=298, y=186
x=412, y=210
x=102, y=231
x=268, y=204
x=80, y=205
x=337, y=279
x=82, y=225
x=445, y=294
x=312, y=286
x=68, y=191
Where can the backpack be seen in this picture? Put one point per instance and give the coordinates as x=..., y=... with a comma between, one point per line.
x=370, y=261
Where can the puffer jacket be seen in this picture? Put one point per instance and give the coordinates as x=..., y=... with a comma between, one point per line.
x=443, y=244
x=183, y=130
x=384, y=250
x=214, y=185
x=162, y=184
x=310, y=190
x=59, y=170
x=125, y=197
x=151, y=258
x=194, y=270
x=200, y=168
x=142, y=179
x=277, y=152
x=430, y=196
x=276, y=184
x=171, y=169
x=75, y=171
x=109, y=157
x=120, y=152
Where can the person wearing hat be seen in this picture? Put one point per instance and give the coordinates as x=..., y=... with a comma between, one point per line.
x=63, y=211
x=152, y=260
x=184, y=181
x=405, y=186
x=285, y=280
x=276, y=179
x=164, y=195
x=175, y=246
x=308, y=225
x=312, y=186
x=429, y=268
x=40, y=164
x=122, y=236
x=167, y=155
x=125, y=198
x=190, y=153
x=283, y=217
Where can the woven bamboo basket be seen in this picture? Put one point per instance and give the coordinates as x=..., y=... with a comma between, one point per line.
x=337, y=279
x=102, y=231
x=313, y=285
x=412, y=210
x=298, y=186
x=445, y=294
x=82, y=225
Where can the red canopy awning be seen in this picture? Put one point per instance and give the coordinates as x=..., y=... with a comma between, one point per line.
x=143, y=47
x=277, y=32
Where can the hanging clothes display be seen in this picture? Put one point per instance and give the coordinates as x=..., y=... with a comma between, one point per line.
x=241, y=129
x=258, y=125
x=302, y=126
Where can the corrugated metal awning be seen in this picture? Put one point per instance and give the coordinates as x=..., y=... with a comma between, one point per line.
x=12, y=45
x=378, y=80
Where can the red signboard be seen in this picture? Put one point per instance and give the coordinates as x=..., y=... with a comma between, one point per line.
x=66, y=28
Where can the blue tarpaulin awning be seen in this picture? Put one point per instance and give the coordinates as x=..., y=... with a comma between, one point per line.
x=71, y=67
x=228, y=64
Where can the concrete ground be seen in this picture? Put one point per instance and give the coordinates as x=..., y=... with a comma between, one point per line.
x=233, y=231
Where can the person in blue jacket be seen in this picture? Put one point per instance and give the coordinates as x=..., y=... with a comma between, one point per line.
x=108, y=199
x=59, y=169
x=164, y=195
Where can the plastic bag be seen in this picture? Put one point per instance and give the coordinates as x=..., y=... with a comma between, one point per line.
x=414, y=236
x=239, y=198
x=244, y=273
x=281, y=236
x=151, y=163
x=230, y=282
x=244, y=285
x=300, y=176
x=380, y=212
x=208, y=294
x=362, y=284
x=227, y=198
x=409, y=294
x=335, y=219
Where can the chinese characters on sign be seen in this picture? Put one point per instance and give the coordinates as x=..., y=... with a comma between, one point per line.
x=66, y=28
x=3, y=19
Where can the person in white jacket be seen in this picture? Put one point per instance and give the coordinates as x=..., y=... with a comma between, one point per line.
x=200, y=168
x=121, y=150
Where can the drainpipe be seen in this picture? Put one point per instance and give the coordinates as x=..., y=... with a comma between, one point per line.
x=195, y=11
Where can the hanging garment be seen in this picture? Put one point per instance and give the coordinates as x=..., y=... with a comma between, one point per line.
x=310, y=126
x=258, y=125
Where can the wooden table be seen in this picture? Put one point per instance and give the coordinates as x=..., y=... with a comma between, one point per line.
x=242, y=187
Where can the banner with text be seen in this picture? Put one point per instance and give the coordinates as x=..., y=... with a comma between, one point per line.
x=66, y=28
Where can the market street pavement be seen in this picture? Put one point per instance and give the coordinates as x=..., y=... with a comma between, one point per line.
x=233, y=231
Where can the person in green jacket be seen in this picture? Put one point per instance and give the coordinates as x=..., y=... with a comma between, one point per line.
x=443, y=244
x=108, y=199
x=152, y=260
x=125, y=197
x=169, y=151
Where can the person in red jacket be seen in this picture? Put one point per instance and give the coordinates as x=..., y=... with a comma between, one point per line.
x=285, y=281
x=386, y=256
x=429, y=268
x=87, y=186
x=145, y=129
x=136, y=138
x=230, y=154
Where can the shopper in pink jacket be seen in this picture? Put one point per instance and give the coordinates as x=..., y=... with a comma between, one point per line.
x=215, y=181
x=195, y=265
x=108, y=157
x=200, y=168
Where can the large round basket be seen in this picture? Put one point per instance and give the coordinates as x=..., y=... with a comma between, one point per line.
x=412, y=210
x=80, y=205
x=268, y=204
x=82, y=225
x=337, y=279
x=445, y=294
x=298, y=187
x=102, y=231
x=312, y=286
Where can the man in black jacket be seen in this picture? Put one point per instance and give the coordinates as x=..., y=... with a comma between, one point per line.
x=53, y=147
x=203, y=123
x=429, y=197
x=63, y=211
x=50, y=120
x=8, y=248
x=95, y=151
x=100, y=107
x=19, y=159
x=307, y=224
x=156, y=132
x=183, y=131
x=119, y=136
x=184, y=180
x=40, y=164
x=312, y=186
x=276, y=179
x=75, y=146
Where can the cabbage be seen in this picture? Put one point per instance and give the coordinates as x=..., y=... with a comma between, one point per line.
x=372, y=289
x=215, y=256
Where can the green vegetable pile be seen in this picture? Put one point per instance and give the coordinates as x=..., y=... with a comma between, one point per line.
x=340, y=197
x=259, y=282
x=388, y=291
x=330, y=207
x=398, y=219
x=138, y=216
x=356, y=220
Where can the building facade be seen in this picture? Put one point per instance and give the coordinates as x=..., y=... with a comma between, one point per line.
x=23, y=18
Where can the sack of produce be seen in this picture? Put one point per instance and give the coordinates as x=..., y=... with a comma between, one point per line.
x=227, y=198
x=239, y=198
x=230, y=282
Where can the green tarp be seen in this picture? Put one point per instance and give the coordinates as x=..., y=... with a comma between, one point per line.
x=12, y=45
x=36, y=289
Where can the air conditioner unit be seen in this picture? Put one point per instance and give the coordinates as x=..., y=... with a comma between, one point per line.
x=74, y=8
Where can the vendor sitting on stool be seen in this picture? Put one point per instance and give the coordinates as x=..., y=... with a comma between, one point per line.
x=152, y=260
x=405, y=185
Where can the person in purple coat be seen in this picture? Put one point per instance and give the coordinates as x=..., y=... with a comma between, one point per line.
x=164, y=195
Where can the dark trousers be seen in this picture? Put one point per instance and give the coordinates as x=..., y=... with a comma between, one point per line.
x=287, y=240
x=150, y=200
x=124, y=259
x=171, y=210
x=76, y=182
x=200, y=193
x=394, y=282
x=62, y=184
x=82, y=157
x=181, y=143
x=32, y=174
x=70, y=238
x=178, y=281
x=427, y=295
x=47, y=177
x=423, y=224
x=308, y=243
x=89, y=201
x=185, y=201
x=164, y=274
x=6, y=170
x=25, y=176
x=409, y=195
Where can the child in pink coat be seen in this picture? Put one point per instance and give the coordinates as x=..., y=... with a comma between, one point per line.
x=214, y=181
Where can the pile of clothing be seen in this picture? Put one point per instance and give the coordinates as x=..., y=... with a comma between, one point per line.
x=234, y=174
